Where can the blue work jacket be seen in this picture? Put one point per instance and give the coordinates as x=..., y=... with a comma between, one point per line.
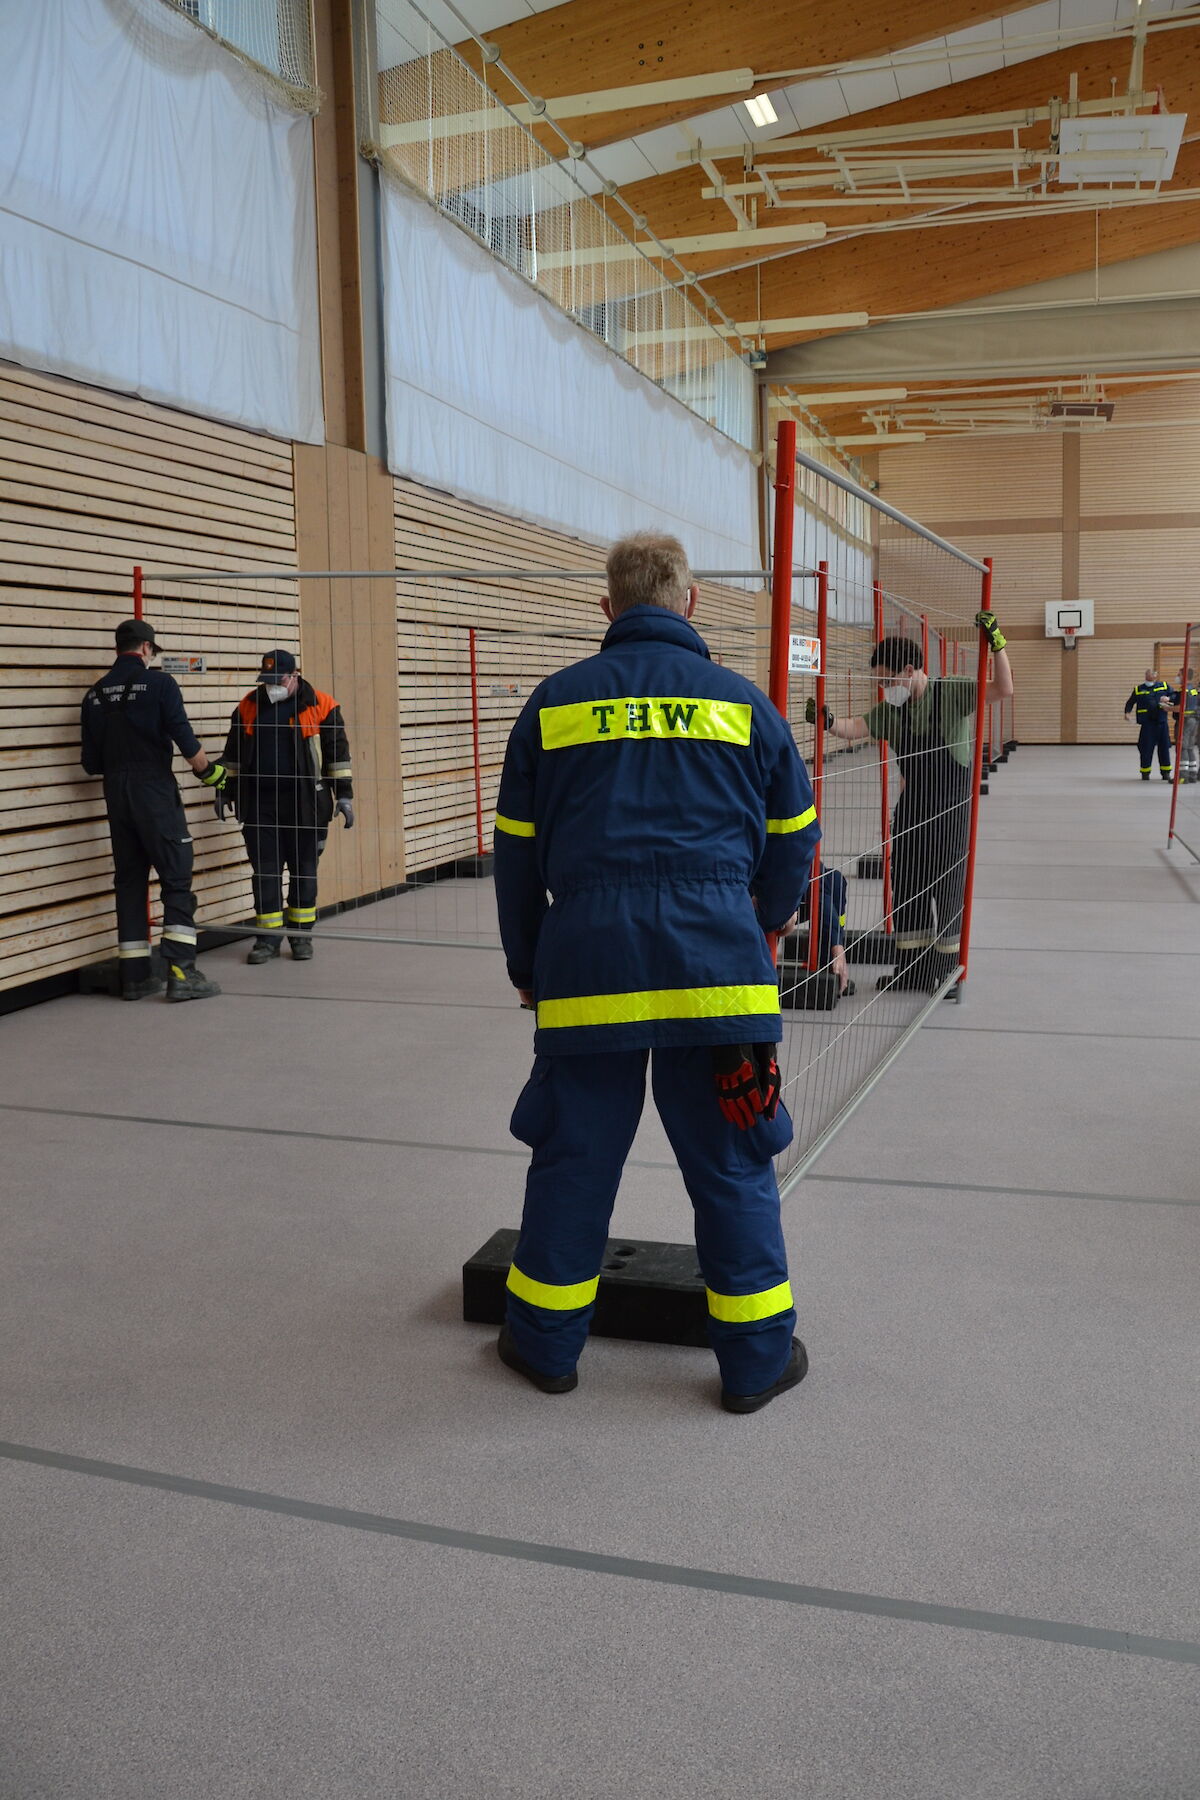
x=649, y=801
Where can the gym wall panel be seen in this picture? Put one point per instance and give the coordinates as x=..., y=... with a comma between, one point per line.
x=999, y=478
x=1107, y=669
x=1154, y=468
x=1140, y=574
x=94, y=482
x=524, y=630
x=1037, y=684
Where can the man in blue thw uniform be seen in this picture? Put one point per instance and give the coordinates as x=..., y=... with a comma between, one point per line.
x=654, y=821
x=1147, y=703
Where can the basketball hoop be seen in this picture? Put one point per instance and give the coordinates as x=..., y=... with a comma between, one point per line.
x=1070, y=632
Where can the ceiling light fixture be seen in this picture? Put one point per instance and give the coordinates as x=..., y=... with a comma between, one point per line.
x=761, y=111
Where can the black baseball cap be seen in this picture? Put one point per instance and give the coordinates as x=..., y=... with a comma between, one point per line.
x=276, y=663
x=132, y=632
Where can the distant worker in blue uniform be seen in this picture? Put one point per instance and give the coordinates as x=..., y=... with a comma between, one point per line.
x=1148, y=704
x=655, y=820
x=132, y=722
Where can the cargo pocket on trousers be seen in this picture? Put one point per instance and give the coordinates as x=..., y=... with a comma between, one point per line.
x=533, y=1115
x=768, y=1136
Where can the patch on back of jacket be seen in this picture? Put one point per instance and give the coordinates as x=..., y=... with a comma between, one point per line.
x=646, y=717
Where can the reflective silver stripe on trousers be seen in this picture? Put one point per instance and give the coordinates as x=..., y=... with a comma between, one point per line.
x=131, y=948
x=182, y=934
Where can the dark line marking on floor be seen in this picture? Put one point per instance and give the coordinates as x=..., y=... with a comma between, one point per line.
x=325, y=1137
x=1111, y=1037
x=881, y=1606
x=984, y=1187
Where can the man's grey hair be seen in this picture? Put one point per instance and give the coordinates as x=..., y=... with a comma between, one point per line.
x=648, y=569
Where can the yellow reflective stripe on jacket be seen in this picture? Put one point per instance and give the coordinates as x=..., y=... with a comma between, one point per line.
x=742, y=1309
x=638, y=716
x=796, y=824
x=549, y=1294
x=515, y=827
x=656, y=1003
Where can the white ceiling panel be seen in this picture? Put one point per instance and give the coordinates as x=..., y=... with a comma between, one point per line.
x=924, y=78
x=862, y=93
x=624, y=162
x=817, y=102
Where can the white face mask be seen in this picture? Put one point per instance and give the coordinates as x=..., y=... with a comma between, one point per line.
x=275, y=694
x=898, y=694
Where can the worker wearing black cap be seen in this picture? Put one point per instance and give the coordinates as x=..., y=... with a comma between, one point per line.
x=130, y=721
x=289, y=773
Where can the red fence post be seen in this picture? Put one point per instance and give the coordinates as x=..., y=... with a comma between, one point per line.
x=818, y=768
x=475, y=740
x=885, y=810
x=137, y=590
x=1179, y=723
x=781, y=563
x=985, y=605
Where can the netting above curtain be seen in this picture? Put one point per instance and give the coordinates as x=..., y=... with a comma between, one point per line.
x=276, y=35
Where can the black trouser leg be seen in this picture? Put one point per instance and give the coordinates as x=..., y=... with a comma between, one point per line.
x=264, y=847
x=300, y=852
x=1164, y=746
x=912, y=917
x=131, y=878
x=1146, y=740
x=172, y=855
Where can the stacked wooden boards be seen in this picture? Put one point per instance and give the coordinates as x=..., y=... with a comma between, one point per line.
x=93, y=483
x=526, y=625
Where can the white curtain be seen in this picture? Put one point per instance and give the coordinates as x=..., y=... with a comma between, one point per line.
x=496, y=395
x=157, y=229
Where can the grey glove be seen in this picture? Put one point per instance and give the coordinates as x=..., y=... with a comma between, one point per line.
x=225, y=801
x=346, y=808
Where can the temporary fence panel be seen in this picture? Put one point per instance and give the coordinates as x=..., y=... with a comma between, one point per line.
x=470, y=646
x=885, y=928
x=1184, y=827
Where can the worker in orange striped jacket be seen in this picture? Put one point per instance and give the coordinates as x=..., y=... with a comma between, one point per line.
x=289, y=774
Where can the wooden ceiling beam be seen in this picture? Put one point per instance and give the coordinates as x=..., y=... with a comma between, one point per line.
x=582, y=46
x=674, y=205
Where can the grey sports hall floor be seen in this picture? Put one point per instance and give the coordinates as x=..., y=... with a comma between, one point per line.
x=297, y=1533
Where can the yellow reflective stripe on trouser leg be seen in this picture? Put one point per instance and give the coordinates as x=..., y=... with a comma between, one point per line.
x=743, y=1309
x=796, y=824
x=515, y=827
x=268, y=921
x=302, y=915
x=554, y=1297
x=657, y=1003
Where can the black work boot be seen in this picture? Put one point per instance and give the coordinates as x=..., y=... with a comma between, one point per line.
x=549, y=1384
x=1145, y=777
x=794, y=1372
x=264, y=950
x=189, y=984
x=143, y=990
x=302, y=948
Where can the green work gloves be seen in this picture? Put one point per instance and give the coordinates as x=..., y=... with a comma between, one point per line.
x=990, y=628
x=215, y=776
x=810, y=713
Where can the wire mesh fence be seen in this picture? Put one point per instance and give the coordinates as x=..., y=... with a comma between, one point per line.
x=1184, y=827
x=884, y=686
x=442, y=129
x=429, y=685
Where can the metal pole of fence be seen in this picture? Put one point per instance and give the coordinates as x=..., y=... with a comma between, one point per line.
x=781, y=562
x=885, y=809
x=137, y=590
x=781, y=581
x=976, y=773
x=1179, y=724
x=925, y=642
x=475, y=739
x=818, y=768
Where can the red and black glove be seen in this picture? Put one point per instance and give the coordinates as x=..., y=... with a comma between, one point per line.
x=748, y=1086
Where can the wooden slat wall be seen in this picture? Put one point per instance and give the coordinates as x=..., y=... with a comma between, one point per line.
x=92, y=483
x=525, y=630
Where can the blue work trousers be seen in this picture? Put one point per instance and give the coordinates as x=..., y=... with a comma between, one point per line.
x=1155, y=734
x=579, y=1115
